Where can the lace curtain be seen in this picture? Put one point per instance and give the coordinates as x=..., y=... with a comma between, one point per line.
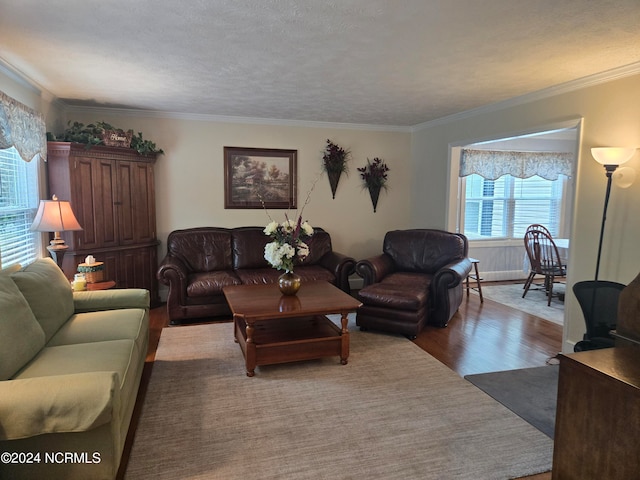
x=492, y=164
x=23, y=128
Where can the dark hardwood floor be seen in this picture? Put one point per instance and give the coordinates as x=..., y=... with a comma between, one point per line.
x=481, y=337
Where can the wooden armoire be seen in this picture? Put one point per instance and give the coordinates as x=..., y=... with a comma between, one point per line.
x=112, y=193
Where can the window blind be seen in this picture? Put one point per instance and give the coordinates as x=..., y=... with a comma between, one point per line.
x=505, y=207
x=18, y=205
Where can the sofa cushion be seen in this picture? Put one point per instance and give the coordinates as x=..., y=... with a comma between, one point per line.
x=210, y=283
x=307, y=273
x=126, y=323
x=259, y=276
x=314, y=273
x=248, y=248
x=118, y=356
x=319, y=245
x=48, y=293
x=400, y=290
x=21, y=336
x=423, y=250
x=202, y=249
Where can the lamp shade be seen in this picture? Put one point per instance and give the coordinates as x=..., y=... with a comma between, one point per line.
x=55, y=216
x=612, y=155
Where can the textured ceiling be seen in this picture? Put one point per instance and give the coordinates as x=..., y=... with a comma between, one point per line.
x=400, y=62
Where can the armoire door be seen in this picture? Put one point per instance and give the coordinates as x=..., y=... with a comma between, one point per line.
x=136, y=203
x=95, y=187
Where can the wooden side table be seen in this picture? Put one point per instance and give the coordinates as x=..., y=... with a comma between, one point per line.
x=101, y=285
x=475, y=276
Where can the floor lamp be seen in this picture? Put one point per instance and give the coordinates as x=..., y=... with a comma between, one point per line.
x=55, y=216
x=611, y=158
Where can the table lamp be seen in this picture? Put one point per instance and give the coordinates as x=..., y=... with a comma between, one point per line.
x=55, y=216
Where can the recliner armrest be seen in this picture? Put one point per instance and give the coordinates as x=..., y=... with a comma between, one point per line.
x=374, y=269
x=453, y=273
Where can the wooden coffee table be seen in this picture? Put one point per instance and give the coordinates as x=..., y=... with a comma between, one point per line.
x=274, y=328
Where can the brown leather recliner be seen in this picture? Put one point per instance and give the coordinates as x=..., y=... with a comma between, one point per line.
x=417, y=280
x=201, y=261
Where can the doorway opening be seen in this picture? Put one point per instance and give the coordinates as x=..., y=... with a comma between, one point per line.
x=500, y=186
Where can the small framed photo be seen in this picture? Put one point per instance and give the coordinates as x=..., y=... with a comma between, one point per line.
x=260, y=178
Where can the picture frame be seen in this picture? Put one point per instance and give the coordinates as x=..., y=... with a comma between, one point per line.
x=260, y=178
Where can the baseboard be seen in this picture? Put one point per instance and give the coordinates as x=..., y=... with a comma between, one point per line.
x=502, y=275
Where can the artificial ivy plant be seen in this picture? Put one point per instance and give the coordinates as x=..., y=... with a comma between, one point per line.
x=91, y=134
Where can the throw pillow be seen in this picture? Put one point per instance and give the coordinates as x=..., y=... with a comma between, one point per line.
x=21, y=336
x=48, y=293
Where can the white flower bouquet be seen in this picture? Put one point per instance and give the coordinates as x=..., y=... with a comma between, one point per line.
x=287, y=245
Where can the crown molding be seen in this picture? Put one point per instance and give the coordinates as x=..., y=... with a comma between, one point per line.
x=17, y=76
x=126, y=112
x=590, y=81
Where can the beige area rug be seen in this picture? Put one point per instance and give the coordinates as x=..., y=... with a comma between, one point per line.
x=393, y=412
x=534, y=303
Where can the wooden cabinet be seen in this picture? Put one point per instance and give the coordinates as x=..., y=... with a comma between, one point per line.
x=112, y=193
x=598, y=415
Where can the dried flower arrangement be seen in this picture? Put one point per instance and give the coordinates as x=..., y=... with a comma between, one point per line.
x=374, y=176
x=334, y=162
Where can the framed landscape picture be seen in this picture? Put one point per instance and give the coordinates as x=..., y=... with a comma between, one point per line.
x=260, y=177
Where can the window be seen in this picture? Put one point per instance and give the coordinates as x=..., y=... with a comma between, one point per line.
x=18, y=205
x=505, y=207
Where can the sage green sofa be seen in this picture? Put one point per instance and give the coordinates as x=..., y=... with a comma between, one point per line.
x=70, y=368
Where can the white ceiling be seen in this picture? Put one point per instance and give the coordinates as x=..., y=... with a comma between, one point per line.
x=376, y=62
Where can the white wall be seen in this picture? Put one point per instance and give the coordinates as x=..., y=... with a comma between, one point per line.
x=190, y=183
x=611, y=118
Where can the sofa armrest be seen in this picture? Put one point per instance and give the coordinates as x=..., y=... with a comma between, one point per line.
x=374, y=269
x=173, y=270
x=93, y=301
x=55, y=404
x=341, y=266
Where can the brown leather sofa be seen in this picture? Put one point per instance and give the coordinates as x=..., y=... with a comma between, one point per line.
x=200, y=261
x=417, y=280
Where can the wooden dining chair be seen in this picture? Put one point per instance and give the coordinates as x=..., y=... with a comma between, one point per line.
x=544, y=259
x=539, y=226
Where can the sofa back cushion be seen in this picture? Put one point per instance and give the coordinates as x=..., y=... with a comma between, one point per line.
x=424, y=250
x=205, y=249
x=248, y=247
x=319, y=246
x=48, y=293
x=21, y=336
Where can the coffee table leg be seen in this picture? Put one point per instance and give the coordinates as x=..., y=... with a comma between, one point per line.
x=251, y=352
x=344, y=355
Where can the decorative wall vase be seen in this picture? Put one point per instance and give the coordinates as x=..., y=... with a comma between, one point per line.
x=374, y=176
x=374, y=192
x=334, y=178
x=334, y=162
x=289, y=283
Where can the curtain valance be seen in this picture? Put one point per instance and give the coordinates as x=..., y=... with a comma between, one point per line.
x=23, y=128
x=492, y=164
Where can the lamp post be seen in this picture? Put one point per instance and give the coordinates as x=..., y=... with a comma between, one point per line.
x=55, y=216
x=610, y=158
